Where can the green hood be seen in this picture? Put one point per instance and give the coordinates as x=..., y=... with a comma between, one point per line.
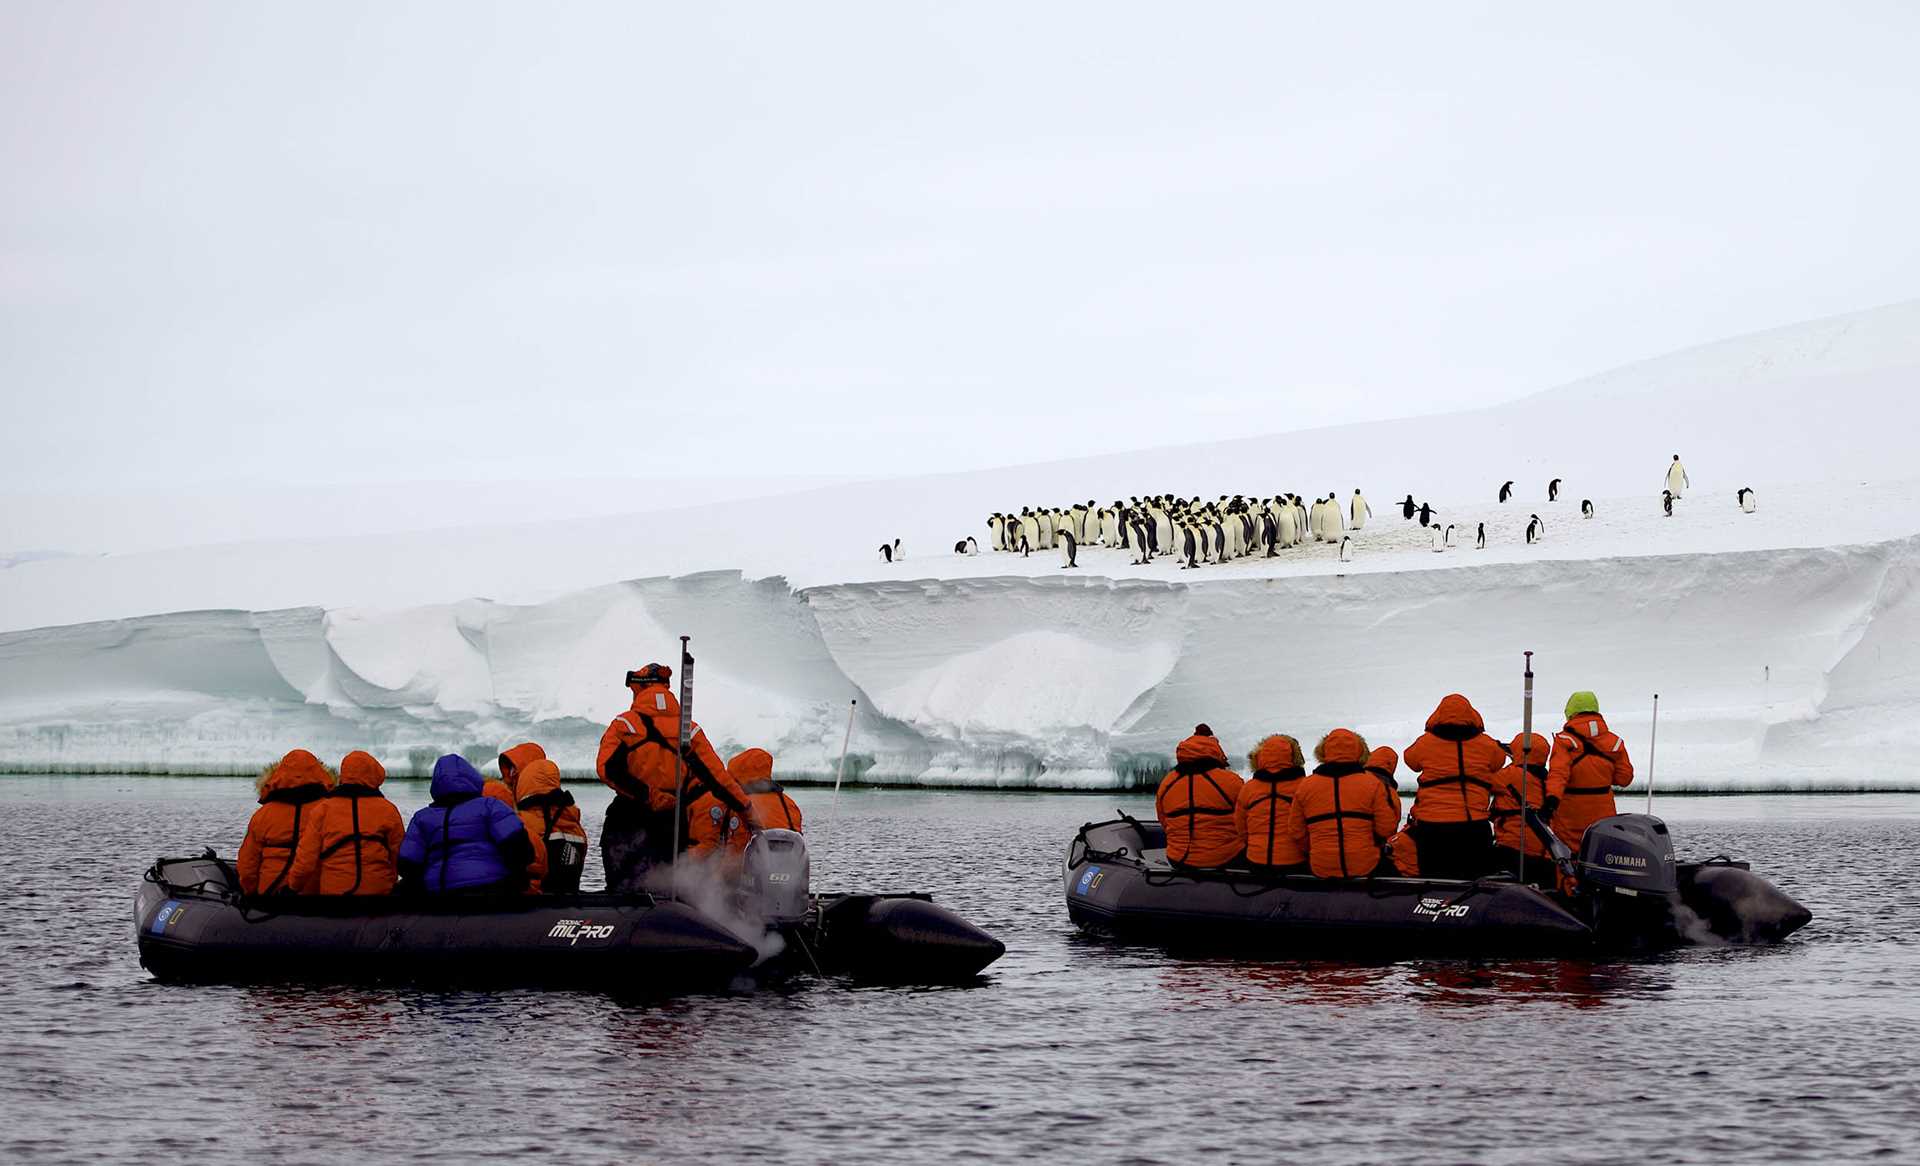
x=1582, y=702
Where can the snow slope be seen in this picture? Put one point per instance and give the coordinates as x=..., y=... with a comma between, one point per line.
x=1781, y=641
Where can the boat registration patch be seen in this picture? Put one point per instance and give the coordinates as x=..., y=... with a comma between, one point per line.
x=1441, y=909
x=168, y=914
x=1089, y=879
x=574, y=932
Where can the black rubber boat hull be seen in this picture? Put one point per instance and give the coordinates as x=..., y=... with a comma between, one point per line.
x=901, y=939
x=194, y=934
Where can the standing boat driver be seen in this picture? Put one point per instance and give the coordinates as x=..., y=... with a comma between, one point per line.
x=637, y=760
x=1589, y=760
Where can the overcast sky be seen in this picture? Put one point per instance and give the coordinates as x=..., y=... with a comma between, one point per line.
x=325, y=242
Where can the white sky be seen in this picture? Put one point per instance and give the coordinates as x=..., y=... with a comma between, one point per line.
x=332, y=243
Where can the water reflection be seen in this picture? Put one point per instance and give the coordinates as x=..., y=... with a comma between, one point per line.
x=1572, y=983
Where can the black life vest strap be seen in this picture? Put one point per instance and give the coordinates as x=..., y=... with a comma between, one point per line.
x=1588, y=789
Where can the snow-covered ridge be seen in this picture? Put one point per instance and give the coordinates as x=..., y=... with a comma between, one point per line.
x=1783, y=668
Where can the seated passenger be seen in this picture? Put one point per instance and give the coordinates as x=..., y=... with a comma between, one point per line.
x=287, y=793
x=553, y=826
x=1510, y=832
x=1383, y=763
x=1260, y=811
x=1196, y=801
x=352, y=836
x=1400, y=853
x=1341, y=816
x=512, y=761
x=1457, y=763
x=753, y=769
x=463, y=841
x=1589, y=760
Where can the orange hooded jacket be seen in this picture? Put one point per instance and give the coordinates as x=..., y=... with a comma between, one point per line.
x=1589, y=760
x=1383, y=763
x=287, y=794
x=551, y=819
x=1509, y=830
x=636, y=757
x=502, y=788
x=713, y=826
x=350, y=838
x=1196, y=802
x=1260, y=810
x=1457, y=763
x=1341, y=815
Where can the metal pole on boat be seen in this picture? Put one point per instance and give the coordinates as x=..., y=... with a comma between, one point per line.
x=680, y=760
x=833, y=812
x=1526, y=757
x=1653, y=742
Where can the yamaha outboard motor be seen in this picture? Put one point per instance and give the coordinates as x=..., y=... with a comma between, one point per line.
x=1626, y=866
x=778, y=874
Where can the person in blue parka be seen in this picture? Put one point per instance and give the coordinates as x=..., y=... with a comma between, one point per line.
x=463, y=842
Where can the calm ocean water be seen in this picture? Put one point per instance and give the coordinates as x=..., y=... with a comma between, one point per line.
x=1070, y=1049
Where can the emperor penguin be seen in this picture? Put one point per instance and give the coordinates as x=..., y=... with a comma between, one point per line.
x=1045, y=521
x=1160, y=535
x=1189, y=547
x=1506, y=492
x=1269, y=534
x=997, y=531
x=1069, y=549
x=1677, y=477
x=1480, y=538
x=1300, y=527
x=1553, y=490
x=1535, y=529
x=1666, y=501
x=1346, y=549
x=1747, y=503
x=1358, y=510
x=1029, y=532
x=1219, y=542
x=1449, y=539
x=1439, y=537
x=1288, y=525
x=1586, y=508
x=960, y=548
x=1140, y=543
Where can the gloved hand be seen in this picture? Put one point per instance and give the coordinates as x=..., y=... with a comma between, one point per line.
x=1548, y=807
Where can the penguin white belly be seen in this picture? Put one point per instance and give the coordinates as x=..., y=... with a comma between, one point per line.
x=1359, y=515
x=1676, y=478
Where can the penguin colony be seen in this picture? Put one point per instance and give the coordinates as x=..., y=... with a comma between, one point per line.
x=1197, y=532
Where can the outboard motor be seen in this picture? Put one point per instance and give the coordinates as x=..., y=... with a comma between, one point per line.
x=778, y=875
x=1626, y=866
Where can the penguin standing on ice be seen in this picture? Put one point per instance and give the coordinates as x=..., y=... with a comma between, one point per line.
x=1747, y=504
x=1346, y=549
x=1140, y=541
x=1358, y=511
x=1426, y=514
x=1677, y=477
x=1449, y=536
x=960, y=548
x=1586, y=508
x=1189, y=547
x=1553, y=490
x=997, y=531
x=1069, y=547
x=1439, y=538
x=1480, y=538
x=1666, y=501
x=1407, y=507
x=1506, y=492
x=1535, y=529
x=889, y=552
x=1269, y=534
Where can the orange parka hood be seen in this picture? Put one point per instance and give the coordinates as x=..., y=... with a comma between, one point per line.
x=296, y=769
x=1200, y=747
x=751, y=765
x=536, y=777
x=1341, y=747
x=1456, y=713
x=1535, y=755
x=1383, y=761
x=1278, y=754
x=516, y=760
x=362, y=768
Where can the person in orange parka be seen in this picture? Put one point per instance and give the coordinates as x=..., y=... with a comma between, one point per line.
x=637, y=761
x=1589, y=760
x=1401, y=852
x=553, y=827
x=350, y=838
x=512, y=761
x=1457, y=763
x=1383, y=763
x=1510, y=832
x=1260, y=810
x=1196, y=802
x=1341, y=816
x=287, y=791
x=753, y=769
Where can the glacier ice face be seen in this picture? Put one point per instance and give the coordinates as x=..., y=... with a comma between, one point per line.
x=1777, y=668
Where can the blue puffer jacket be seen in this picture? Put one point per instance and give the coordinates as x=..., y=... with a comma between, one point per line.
x=463, y=840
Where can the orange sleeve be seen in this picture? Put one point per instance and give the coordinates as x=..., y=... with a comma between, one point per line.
x=1559, y=767
x=303, y=870
x=248, y=864
x=1622, y=766
x=1297, y=823
x=1415, y=758
x=1386, y=816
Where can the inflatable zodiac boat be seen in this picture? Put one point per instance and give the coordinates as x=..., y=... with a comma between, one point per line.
x=194, y=926
x=1632, y=895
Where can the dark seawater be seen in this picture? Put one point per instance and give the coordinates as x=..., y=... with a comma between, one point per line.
x=1071, y=1049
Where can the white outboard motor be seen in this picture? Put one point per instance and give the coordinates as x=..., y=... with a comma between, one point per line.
x=778, y=874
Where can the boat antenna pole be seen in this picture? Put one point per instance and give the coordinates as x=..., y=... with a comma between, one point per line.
x=1653, y=741
x=680, y=761
x=833, y=812
x=1526, y=758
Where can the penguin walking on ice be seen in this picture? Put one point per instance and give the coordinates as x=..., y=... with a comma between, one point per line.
x=1553, y=490
x=1677, y=477
x=1586, y=508
x=1426, y=514
x=1449, y=540
x=1506, y=492
x=1346, y=548
x=1069, y=547
x=1535, y=529
x=1666, y=502
x=1407, y=507
x=1358, y=510
x=890, y=552
x=1747, y=504
x=1480, y=538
